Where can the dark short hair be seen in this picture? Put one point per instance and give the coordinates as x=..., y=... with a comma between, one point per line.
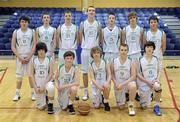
x=25, y=18
x=94, y=49
x=124, y=45
x=41, y=46
x=46, y=13
x=67, y=12
x=69, y=53
x=111, y=13
x=153, y=18
x=90, y=7
x=148, y=44
x=132, y=14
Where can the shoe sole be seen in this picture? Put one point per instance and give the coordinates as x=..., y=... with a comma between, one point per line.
x=49, y=112
x=72, y=113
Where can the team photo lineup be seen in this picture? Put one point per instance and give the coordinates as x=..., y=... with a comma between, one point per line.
x=129, y=58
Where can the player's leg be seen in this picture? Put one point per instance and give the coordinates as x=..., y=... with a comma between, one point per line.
x=50, y=93
x=132, y=93
x=106, y=99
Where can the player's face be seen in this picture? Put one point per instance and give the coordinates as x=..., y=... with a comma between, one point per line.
x=24, y=24
x=111, y=19
x=153, y=24
x=123, y=51
x=132, y=20
x=96, y=54
x=91, y=12
x=46, y=19
x=149, y=50
x=41, y=53
x=69, y=60
x=67, y=16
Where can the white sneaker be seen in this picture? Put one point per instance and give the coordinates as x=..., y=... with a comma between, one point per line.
x=33, y=97
x=131, y=110
x=16, y=97
x=86, y=96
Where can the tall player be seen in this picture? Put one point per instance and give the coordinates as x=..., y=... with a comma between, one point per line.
x=158, y=37
x=132, y=35
x=124, y=76
x=67, y=77
x=41, y=74
x=47, y=34
x=67, y=36
x=23, y=46
x=111, y=36
x=149, y=78
x=100, y=74
x=90, y=33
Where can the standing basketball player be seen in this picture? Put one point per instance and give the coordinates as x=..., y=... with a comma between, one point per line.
x=90, y=33
x=41, y=74
x=124, y=76
x=100, y=74
x=67, y=77
x=149, y=78
x=47, y=34
x=111, y=39
x=67, y=36
x=23, y=46
x=158, y=37
x=132, y=35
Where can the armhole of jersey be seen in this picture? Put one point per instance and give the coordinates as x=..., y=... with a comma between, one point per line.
x=38, y=31
x=141, y=66
x=82, y=25
x=125, y=35
x=32, y=37
x=60, y=66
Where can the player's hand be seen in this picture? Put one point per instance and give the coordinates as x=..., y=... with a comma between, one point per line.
x=37, y=90
x=106, y=86
x=27, y=59
x=150, y=84
x=120, y=87
x=22, y=60
x=100, y=88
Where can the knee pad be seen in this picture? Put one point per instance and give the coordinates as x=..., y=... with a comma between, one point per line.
x=50, y=89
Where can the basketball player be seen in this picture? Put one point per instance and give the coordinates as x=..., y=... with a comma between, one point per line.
x=67, y=36
x=90, y=33
x=47, y=34
x=111, y=36
x=149, y=78
x=158, y=37
x=23, y=46
x=67, y=77
x=132, y=35
x=41, y=74
x=100, y=74
x=124, y=76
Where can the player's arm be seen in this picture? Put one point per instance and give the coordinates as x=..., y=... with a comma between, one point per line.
x=50, y=75
x=141, y=37
x=123, y=36
x=92, y=78
x=112, y=73
x=101, y=41
x=57, y=79
x=144, y=38
x=58, y=37
x=81, y=36
x=33, y=47
x=32, y=75
x=120, y=36
x=163, y=43
x=13, y=46
x=77, y=35
x=109, y=77
x=54, y=40
x=100, y=34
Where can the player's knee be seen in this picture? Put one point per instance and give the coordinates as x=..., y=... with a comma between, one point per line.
x=157, y=88
x=19, y=79
x=50, y=89
x=132, y=85
x=74, y=89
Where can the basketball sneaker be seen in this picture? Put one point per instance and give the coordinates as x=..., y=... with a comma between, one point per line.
x=16, y=97
x=33, y=96
x=50, y=108
x=157, y=110
x=71, y=109
x=107, y=107
x=86, y=96
x=131, y=110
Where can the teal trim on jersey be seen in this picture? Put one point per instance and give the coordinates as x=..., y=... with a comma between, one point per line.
x=60, y=66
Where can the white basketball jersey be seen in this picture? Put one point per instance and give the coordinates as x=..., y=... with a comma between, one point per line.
x=66, y=77
x=133, y=39
x=157, y=39
x=149, y=70
x=46, y=35
x=100, y=74
x=24, y=41
x=68, y=37
x=90, y=34
x=41, y=70
x=122, y=71
x=111, y=39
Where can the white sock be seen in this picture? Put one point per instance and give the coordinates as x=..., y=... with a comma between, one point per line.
x=70, y=102
x=32, y=90
x=105, y=100
x=157, y=103
x=86, y=90
x=17, y=91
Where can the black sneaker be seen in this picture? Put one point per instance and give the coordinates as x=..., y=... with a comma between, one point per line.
x=127, y=97
x=137, y=98
x=107, y=107
x=76, y=98
x=71, y=109
x=50, y=108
